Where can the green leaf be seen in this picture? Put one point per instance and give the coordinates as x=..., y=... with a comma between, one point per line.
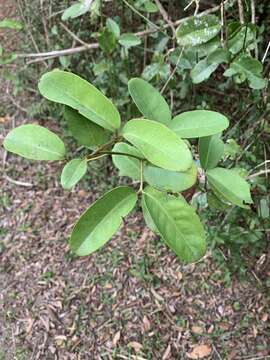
x=147, y=217
x=107, y=40
x=128, y=166
x=230, y=185
x=170, y=180
x=198, y=30
x=128, y=40
x=101, y=220
x=177, y=223
x=72, y=173
x=211, y=149
x=10, y=24
x=248, y=68
x=218, y=56
x=34, y=142
x=149, y=101
x=76, y=10
x=69, y=89
x=113, y=27
x=159, y=145
x=83, y=130
x=240, y=36
x=202, y=71
x=7, y=59
x=198, y=123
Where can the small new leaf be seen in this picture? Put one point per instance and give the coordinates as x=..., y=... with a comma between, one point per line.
x=72, y=173
x=211, y=149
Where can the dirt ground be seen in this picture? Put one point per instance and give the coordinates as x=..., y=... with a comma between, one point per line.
x=131, y=300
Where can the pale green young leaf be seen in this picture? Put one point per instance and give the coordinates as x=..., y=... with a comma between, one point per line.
x=198, y=123
x=129, y=40
x=11, y=24
x=230, y=185
x=202, y=71
x=113, y=27
x=211, y=149
x=83, y=130
x=70, y=89
x=147, y=217
x=127, y=166
x=149, y=101
x=167, y=180
x=198, y=30
x=177, y=223
x=101, y=220
x=34, y=142
x=72, y=173
x=160, y=145
x=77, y=9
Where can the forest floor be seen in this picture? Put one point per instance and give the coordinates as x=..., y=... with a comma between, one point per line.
x=131, y=300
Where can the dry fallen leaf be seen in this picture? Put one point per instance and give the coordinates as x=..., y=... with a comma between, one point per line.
x=199, y=352
x=167, y=353
x=197, y=329
x=135, y=345
x=116, y=338
x=146, y=324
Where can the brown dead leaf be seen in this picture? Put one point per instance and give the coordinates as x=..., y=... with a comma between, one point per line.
x=167, y=353
x=146, y=324
x=135, y=345
x=116, y=338
x=197, y=329
x=199, y=352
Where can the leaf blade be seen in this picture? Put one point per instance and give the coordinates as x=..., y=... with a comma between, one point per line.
x=198, y=123
x=34, y=142
x=158, y=144
x=72, y=173
x=211, y=150
x=101, y=220
x=69, y=89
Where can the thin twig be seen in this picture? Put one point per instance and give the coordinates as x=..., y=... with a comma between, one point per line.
x=173, y=72
x=253, y=21
x=241, y=12
x=166, y=17
x=71, y=51
x=266, y=52
x=74, y=36
x=16, y=182
x=259, y=173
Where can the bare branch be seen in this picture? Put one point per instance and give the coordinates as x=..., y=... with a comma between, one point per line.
x=166, y=17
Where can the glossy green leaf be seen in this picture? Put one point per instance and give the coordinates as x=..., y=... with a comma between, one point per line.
x=34, y=142
x=159, y=145
x=10, y=24
x=198, y=30
x=218, y=56
x=170, y=180
x=83, y=130
x=72, y=173
x=211, y=149
x=198, y=123
x=128, y=40
x=69, y=89
x=149, y=101
x=230, y=185
x=202, y=71
x=248, y=68
x=77, y=9
x=128, y=166
x=101, y=220
x=177, y=223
